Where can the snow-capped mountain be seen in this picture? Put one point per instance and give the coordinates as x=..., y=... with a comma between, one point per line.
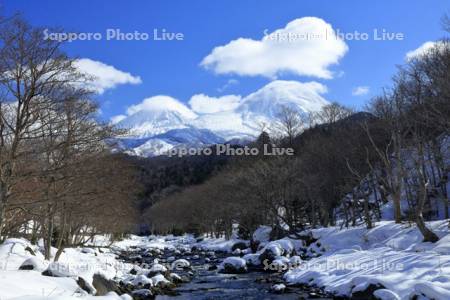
x=175, y=138
x=161, y=123
x=156, y=115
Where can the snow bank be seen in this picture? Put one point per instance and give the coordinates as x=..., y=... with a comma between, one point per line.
x=73, y=263
x=390, y=255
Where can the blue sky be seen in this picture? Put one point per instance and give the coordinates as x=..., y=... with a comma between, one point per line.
x=173, y=67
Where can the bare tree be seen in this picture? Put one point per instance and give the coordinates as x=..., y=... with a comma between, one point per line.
x=32, y=70
x=290, y=124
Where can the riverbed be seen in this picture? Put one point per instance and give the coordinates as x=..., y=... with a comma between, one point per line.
x=206, y=282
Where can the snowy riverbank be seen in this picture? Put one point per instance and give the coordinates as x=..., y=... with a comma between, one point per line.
x=390, y=255
x=389, y=261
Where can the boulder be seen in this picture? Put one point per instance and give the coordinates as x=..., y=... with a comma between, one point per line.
x=142, y=281
x=233, y=265
x=270, y=252
x=278, y=288
x=33, y=263
x=103, y=285
x=212, y=268
x=181, y=264
x=57, y=269
x=367, y=293
x=143, y=294
x=161, y=282
x=239, y=245
x=157, y=269
x=252, y=259
x=175, y=278
x=85, y=286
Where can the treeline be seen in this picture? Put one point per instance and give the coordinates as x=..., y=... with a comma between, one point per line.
x=161, y=176
x=346, y=166
x=59, y=181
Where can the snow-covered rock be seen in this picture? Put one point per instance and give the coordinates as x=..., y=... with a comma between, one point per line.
x=141, y=280
x=157, y=269
x=252, y=259
x=34, y=264
x=175, y=278
x=295, y=261
x=384, y=294
x=181, y=264
x=278, y=288
x=237, y=252
x=233, y=265
x=280, y=264
x=161, y=281
x=142, y=294
x=276, y=249
x=58, y=269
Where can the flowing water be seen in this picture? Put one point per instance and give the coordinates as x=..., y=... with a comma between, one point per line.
x=207, y=283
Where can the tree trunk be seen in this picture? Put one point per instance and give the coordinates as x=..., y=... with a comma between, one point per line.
x=49, y=235
x=2, y=221
x=367, y=213
x=3, y=199
x=397, y=207
x=428, y=235
x=62, y=234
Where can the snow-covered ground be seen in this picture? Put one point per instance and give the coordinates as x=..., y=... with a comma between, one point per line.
x=31, y=284
x=99, y=258
x=390, y=255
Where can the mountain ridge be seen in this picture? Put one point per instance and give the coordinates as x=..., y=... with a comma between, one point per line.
x=162, y=123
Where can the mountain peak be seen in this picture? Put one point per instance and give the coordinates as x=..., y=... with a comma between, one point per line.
x=162, y=104
x=156, y=116
x=304, y=97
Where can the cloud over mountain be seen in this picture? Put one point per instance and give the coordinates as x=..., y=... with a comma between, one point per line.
x=161, y=103
x=204, y=104
x=154, y=121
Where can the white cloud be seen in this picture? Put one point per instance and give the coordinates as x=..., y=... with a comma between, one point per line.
x=419, y=51
x=104, y=76
x=204, y=104
x=228, y=84
x=313, y=47
x=161, y=103
x=117, y=119
x=360, y=91
x=424, y=48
